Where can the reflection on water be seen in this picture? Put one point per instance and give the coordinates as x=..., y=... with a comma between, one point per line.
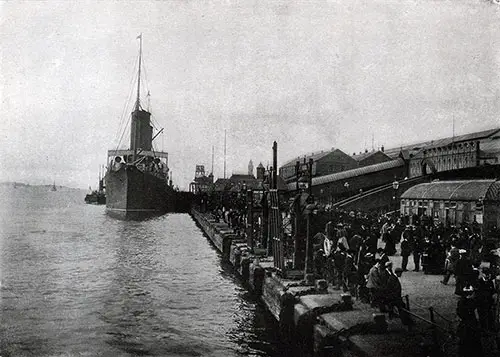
x=75, y=281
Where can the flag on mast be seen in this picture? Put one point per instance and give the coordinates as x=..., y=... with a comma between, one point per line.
x=138, y=37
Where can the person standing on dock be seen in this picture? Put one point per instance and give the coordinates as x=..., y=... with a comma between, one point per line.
x=405, y=252
x=393, y=297
x=463, y=272
x=375, y=283
x=418, y=242
x=329, y=247
x=485, y=301
x=451, y=263
x=468, y=330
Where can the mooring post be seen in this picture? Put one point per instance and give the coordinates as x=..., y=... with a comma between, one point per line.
x=434, y=329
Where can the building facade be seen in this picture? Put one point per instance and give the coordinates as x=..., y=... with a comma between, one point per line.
x=368, y=158
x=201, y=182
x=455, y=202
x=324, y=163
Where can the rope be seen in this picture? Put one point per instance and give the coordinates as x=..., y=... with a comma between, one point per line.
x=449, y=330
x=425, y=320
x=421, y=306
x=441, y=316
x=122, y=128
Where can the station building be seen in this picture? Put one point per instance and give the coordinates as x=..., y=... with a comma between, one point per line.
x=368, y=158
x=455, y=202
x=324, y=163
x=377, y=179
x=451, y=153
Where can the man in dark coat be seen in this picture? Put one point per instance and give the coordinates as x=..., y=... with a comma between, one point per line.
x=464, y=272
x=485, y=290
x=451, y=263
x=376, y=282
x=468, y=330
x=418, y=242
x=393, y=297
x=405, y=250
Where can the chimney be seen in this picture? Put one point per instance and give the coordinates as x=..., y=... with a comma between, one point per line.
x=382, y=148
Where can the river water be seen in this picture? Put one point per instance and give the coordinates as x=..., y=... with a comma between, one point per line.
x=76, y=282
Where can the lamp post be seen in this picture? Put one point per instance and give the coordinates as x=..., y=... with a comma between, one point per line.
x=395, y=186
x=304, y=193
x=346, y=185
x=310, y=209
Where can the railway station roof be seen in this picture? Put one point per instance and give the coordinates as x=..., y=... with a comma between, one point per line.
x=343, y=175
x=315, y=156
x=460, y=190
x=415, y=148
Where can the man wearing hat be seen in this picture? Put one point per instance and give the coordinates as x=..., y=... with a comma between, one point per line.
x=463, y=272
x=376, y=282
x=405, y=251
x=365, y=263
x=451, y=263
x=485, y=301
x=342, y=237
x=393, y=294
x=468, y=330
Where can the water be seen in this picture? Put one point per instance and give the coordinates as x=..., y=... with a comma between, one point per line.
x=76, y=282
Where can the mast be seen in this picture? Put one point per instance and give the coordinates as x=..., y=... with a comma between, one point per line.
x=141, y=130
x=224, y=153
x=212, y=160
x=137, y=103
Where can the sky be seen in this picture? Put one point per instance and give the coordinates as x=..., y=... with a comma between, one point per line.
x=310, y=75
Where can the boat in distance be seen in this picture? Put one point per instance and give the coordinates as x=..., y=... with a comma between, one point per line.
x=97, y=197
x=137, y=179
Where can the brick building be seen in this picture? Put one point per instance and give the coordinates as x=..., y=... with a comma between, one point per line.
x=324, y=163
x=368, y=158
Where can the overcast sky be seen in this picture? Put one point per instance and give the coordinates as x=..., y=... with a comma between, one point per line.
x=309, y=74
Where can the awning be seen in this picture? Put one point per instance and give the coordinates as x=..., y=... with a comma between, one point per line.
x=462, y=190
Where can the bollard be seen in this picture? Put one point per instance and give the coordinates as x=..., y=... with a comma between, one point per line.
x=434, y=330
x=321, y=285
x=309, y=279
x=257, y=279
x=286, y=322
x=236, y=257
x=245, y=268
x=347, y=300
x=380, y=322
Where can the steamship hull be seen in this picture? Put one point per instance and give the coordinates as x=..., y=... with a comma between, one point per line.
x=134, y=194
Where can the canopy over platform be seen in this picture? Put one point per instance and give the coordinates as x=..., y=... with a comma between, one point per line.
x=463, y=190
x=159, y=154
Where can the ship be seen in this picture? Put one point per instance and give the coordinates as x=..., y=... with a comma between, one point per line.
x=98, y=196
x=53, y=188
x=137, y=179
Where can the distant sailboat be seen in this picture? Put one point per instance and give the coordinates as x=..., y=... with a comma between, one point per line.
x=53, y=188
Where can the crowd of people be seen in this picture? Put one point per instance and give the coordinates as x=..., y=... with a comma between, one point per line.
x=349, y=255
x=353, y=254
